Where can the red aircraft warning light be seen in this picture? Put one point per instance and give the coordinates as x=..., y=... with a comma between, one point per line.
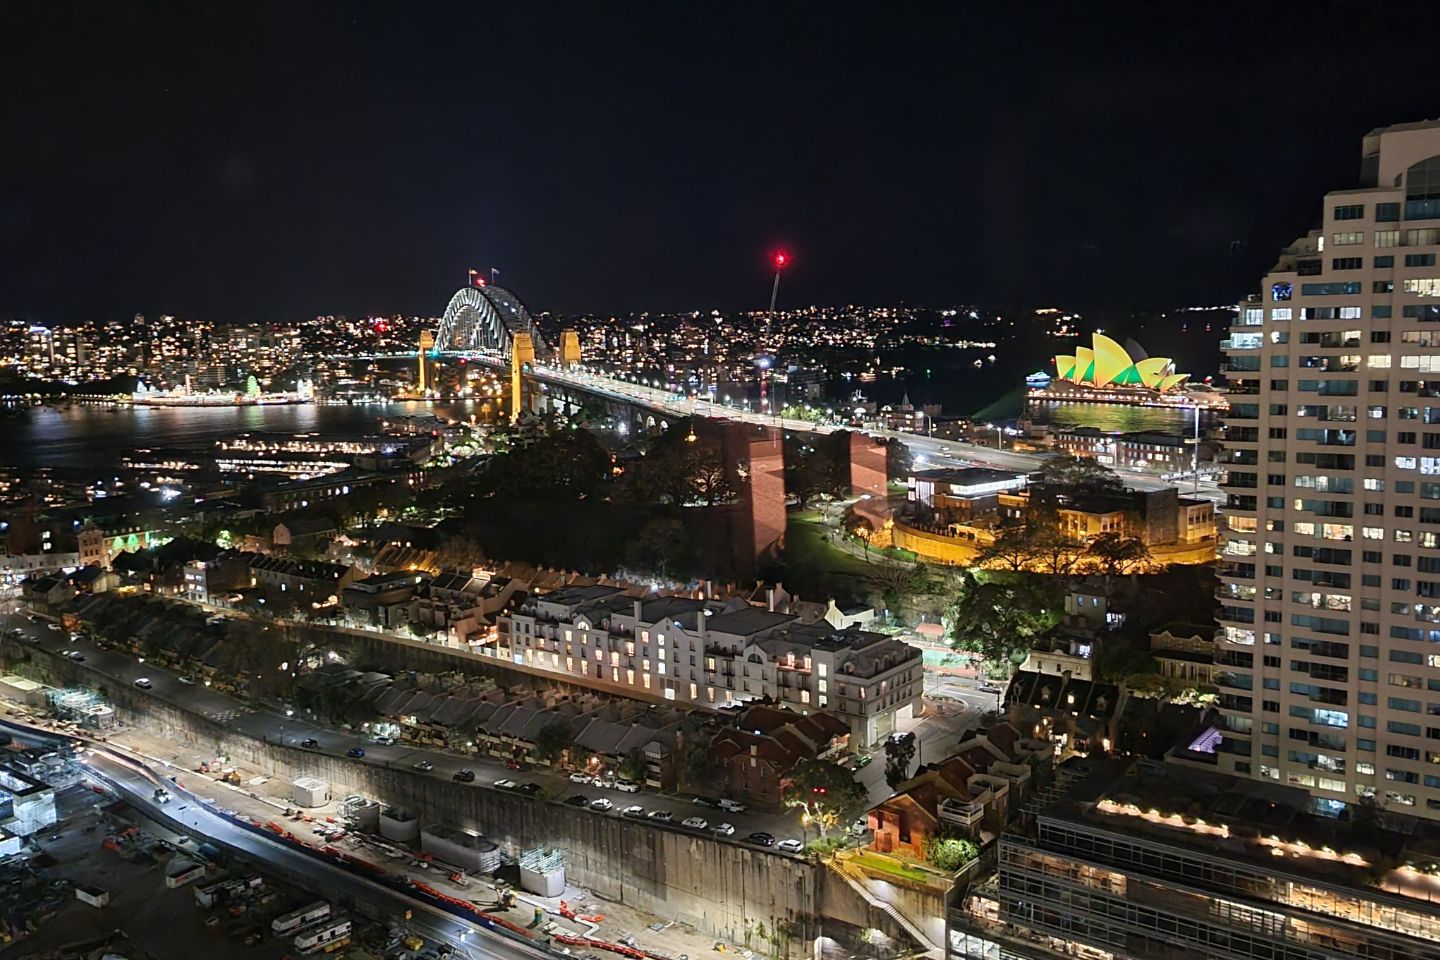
x=781, y=259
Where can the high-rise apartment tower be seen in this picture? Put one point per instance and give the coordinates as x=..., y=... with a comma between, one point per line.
x=1330, y=620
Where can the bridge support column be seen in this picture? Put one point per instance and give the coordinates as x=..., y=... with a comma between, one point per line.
x=569, y=348
x=427, y=342
x=522, y=358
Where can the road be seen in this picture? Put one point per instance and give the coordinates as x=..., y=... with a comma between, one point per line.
x=187, y=814
x=123, y=667
x=929, y=452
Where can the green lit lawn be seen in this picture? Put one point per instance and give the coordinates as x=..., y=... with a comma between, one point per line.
x=814, y=568
x=892, y=867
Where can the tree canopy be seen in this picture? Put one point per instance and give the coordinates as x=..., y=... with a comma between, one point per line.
x=825, y=791
x=1080, y=475
x=999, y=618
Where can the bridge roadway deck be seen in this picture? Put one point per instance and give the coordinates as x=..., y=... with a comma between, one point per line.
x=928, y=451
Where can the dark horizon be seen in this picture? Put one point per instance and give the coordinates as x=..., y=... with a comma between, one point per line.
x=283, y=160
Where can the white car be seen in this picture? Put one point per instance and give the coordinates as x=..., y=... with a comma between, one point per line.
x=143, y=683
x=601, y=804
x=506, y=784
x=579, y=777
x=424, y=766
x=634, y=811
x=790, y=846
x=724, y=830
x=188, y=680
x=627, y=786
x=696, y=823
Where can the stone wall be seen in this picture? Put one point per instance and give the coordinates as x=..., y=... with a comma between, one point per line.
x=772, y=903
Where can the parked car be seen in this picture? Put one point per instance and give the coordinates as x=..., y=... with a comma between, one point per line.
x=790, y=846
x=186, y=679
x=577, y=800
x=581, y=777
x=464, y=776
x=761, y=839
x=424, y=766
x=356, y=752
x=385, y=741
x=696, y=823
x=513, y=764
x=506, y=784
x=704, y=802
x=529, y=789
x=988, y=688
x=143, y=683
x=724, y=830
x=310, y=743
x=627, y=786
x=601, y=804
x=664, y=816
x=730, y=806
x=634, y=811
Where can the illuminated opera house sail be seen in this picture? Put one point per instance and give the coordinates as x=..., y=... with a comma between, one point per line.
x=1106, y=372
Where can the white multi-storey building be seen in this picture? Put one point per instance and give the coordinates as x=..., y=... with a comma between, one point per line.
x=709, y=653
x=1329, y=647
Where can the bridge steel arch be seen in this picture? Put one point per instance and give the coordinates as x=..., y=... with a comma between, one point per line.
x=486, y=319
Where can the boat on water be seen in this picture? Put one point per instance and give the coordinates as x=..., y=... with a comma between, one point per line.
x=1038, y=379
x=183, y=395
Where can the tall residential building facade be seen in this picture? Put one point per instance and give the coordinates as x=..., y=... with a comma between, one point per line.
x=1329, y=644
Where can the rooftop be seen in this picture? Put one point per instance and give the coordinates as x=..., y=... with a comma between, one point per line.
x=1262, y=824
x=746, y=622
x=969, y=476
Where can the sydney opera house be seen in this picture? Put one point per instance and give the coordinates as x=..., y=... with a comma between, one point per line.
x=1106, y=372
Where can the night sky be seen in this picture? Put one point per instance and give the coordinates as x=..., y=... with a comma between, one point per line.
x=272, y=161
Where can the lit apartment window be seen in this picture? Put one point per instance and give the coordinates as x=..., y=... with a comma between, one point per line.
x=570, y=664
x=660, y=667
x=629, y=648
x=821, y=670
x=644, y=636
x=645, y=680
x=568, y=635
x=694, y=692
x=630, y=677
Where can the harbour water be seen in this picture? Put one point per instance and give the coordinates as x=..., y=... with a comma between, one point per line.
x=78, y=437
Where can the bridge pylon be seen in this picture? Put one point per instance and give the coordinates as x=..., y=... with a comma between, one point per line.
x=569, y=348
x=522, y=355
x=427, y=342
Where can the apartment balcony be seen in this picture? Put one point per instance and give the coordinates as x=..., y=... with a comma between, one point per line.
x=965, y=814
x=1238, y=748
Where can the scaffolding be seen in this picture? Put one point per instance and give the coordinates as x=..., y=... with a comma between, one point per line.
x=542, y=872
x=83, y=706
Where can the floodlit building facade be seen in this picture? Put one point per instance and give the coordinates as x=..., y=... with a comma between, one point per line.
x=714, y=654
x=1328, y=656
